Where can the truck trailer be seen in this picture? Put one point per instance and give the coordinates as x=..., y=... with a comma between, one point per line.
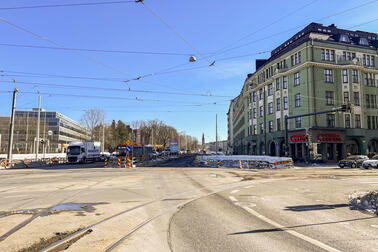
x=83, y=152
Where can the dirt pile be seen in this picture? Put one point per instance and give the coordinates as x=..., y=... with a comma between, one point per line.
x=366, y=201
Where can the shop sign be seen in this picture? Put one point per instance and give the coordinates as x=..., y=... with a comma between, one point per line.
x=329, y=138
x=298, y=138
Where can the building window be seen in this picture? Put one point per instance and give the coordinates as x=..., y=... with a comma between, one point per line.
x=270, y=89
x=368, y=122
x=270, y=126
x=254, y=129
x=270, y=108
x=297, y=100
x=286, y=104
x=278, y=124
x=328, y=75
x=354, y=76
x=330, y=120
x=347, y=120
x=357, y=121
x=296, y=79
x=366, y=79
x=298, y=122
x=357, y=98
x=254, y=96
x=261, y=128
x=260, y=94
x=254, y=112
x=373, y=101
x=367, y=60
x=345, y=76
x=284, y=82
x=277, y=84
x=261, y=111
x=328, y=55
x=330, y=99
x=367, y=104
x=278, y=104
x=346, y=97
x=295, y=58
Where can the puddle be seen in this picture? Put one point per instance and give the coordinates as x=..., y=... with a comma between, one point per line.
x=215, y=175
x=72, y=207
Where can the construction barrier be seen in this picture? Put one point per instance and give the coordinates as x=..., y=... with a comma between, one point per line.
x=106, y=163
x=5, y=164
x=119, y=163
x=218, y=164
x=128, y=162
x=207, y=162
x=199, y=161
x=240, y=164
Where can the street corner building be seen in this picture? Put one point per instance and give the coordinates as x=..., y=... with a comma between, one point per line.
x=317, y=69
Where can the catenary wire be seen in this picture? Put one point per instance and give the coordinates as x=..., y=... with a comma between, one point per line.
x=112, y=89
x=95, y=50
x=296, y=27
x=65, y=5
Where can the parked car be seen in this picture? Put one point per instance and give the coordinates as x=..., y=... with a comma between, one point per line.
x=103, y=156
x=371, y=163
x=353, y=161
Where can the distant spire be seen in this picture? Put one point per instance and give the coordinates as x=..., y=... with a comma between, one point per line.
x=203, y=139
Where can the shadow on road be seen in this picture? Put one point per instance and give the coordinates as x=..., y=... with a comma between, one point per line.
x=297, y=226
x=314, y=207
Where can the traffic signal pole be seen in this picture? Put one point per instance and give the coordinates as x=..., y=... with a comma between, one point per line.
x=343, y=108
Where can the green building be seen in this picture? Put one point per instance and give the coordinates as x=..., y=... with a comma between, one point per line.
x=317, y=69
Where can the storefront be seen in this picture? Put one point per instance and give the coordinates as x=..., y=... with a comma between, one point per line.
x=317, y=145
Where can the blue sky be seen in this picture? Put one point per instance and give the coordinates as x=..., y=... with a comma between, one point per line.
x=207, y=26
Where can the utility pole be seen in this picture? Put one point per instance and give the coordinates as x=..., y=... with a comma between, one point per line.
x=27, y=133
x=103, y=134
x=44, y=137
x=11, y=128
x=216, y=133
x=38, y=122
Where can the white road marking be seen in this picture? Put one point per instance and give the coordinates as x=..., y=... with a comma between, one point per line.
x=235, y=191
x=249, y=186
x=292, y=232
x=374, y=226
x=369, y=182
x=232, y=198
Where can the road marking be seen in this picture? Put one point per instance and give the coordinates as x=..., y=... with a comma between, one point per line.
x=232, y=198
x=235, y=191
x=374, y=226
x=292, y=232
x=249, y=186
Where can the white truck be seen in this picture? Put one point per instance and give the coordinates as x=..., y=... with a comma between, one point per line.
x=83, y=152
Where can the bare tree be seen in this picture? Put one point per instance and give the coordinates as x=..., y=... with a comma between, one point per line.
x=92, y=118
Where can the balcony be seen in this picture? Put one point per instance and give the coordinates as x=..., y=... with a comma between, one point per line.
x=345, y=61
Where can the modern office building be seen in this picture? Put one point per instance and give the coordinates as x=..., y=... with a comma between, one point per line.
x=56, y=131
x=317, y=69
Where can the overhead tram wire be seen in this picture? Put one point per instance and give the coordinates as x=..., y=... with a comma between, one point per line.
x=75, y=52
x=95, y=50
x=112, y=89
x=181, y=37
x=297, y=27
x=267, y=26
x=174, y=103
x=66, y=5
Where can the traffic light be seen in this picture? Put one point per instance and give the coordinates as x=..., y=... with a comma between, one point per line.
x=346, y=107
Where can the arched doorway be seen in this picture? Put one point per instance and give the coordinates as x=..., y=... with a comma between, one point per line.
x=373, y=146
x=272, y=148
x=352, y=147
x=261, y=148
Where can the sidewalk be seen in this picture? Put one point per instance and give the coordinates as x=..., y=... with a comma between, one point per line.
x=320, y=165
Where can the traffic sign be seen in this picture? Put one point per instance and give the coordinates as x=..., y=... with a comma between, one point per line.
x=128, y=142
x=128, y=148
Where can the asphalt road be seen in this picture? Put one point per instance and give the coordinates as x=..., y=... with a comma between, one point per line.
x=185, y=209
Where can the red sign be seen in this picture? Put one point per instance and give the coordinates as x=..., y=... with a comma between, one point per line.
x=329, y=138
x=298, y=138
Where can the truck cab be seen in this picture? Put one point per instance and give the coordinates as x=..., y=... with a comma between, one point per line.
x=83, y=152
